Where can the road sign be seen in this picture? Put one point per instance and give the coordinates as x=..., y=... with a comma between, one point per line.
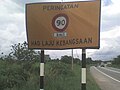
x=63, y=25
x=60, y=22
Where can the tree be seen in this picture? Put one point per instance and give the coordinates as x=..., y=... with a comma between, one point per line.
x=66, y=59
x=116, y=60
x=89, y=60
x=21, y=52
x=77, y=61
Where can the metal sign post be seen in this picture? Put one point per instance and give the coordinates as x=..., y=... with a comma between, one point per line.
x=83, y=81
x=42, y=70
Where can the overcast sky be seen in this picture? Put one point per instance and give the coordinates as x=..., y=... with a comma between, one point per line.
x=13, y=29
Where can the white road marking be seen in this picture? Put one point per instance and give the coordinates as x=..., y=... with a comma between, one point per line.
x=107, y=75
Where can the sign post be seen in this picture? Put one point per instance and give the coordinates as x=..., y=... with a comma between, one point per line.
x=42, y=70
x=83, y=78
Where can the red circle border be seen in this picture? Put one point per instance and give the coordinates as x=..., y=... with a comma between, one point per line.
x=54, y=18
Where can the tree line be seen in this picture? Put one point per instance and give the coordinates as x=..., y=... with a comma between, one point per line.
x=116, y=61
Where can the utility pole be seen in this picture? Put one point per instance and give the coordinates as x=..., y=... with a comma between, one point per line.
x=72, y=59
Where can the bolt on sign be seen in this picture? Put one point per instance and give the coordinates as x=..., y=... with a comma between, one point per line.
x=64, y=25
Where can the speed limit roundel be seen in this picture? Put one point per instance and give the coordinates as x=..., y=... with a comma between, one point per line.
x=60, y=22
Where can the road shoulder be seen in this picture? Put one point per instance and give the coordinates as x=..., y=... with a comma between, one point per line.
x=104, y=82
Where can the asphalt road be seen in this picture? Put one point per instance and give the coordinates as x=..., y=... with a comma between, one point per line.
x=106, y=78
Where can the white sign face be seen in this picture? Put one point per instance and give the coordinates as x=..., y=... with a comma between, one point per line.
x=60, y=22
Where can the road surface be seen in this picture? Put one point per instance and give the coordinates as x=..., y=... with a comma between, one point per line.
x=106, y=78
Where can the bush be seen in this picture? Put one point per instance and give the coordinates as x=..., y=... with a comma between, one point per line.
x=12, y=75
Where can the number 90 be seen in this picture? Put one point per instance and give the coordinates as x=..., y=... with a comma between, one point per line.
x=60, y=22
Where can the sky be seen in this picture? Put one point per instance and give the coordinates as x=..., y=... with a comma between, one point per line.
x=13, y=29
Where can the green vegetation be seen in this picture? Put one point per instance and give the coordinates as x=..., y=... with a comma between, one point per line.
x=60, y=77
x=116, y=62
x=20, y=71
x=15, y=75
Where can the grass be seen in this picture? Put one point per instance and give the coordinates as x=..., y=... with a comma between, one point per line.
x=58, y=76
x=69, y=82
x=72, y=82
